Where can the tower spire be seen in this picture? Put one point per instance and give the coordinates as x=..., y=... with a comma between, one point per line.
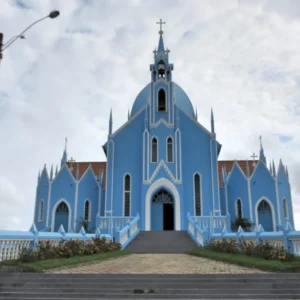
x=212, y=121
x=110, y=123
x=161, y=69
x=261, y=153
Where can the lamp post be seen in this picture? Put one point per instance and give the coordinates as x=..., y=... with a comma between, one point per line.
x=53, y=14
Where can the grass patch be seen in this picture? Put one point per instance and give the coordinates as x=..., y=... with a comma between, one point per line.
x=249, y=261
x=48, y=264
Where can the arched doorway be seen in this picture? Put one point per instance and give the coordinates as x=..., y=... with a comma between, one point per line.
x=265, y=217
x=62, y=217
x=162, y=211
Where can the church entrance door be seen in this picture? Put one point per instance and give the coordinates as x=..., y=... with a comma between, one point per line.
x=265, y=215
x=162, y=211
x=62, y=217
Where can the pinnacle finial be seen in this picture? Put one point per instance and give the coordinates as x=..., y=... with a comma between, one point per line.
x=110, y=123
x=66, y=142
x=212, y=121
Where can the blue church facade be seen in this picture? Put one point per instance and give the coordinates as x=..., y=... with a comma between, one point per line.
x=152, y=170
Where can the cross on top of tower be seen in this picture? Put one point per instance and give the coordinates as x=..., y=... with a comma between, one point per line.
x=160, y=26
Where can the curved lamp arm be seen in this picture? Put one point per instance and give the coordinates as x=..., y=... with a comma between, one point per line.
x=52, y=15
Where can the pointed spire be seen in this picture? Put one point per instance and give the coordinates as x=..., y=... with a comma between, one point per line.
x=247, y=169
x=56, y=170
x=110, y=123
x=270, y=168
x=287, y=172
x=39, y=176
x=261, y=153
x=77, y=172
x=212, y=121
x=273, y=167
x=65, y=156
x=128, y=114
x=51, y=172
x=196, y=114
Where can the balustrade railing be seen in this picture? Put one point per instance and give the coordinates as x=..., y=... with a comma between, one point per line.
x=128, y=232
x=110, y=225
x=12, y=242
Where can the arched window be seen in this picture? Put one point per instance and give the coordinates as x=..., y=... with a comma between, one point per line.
x=239, y=213
x=285, y=209
x=127, y=195
x=264, y=206
x=161, y=100
x=41, y=210
x=154, y=150
x=169, y=150
x=87, y=210
x=197, y=194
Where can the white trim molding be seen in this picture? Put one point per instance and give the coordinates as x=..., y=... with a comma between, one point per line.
x=54, y=211
x=160, y=183
x=272, y=210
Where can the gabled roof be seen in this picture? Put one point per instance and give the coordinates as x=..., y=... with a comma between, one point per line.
x=83, y=166
x=101, y=165
x=228, y=164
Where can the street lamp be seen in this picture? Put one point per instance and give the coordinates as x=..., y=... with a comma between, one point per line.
x=53, y=14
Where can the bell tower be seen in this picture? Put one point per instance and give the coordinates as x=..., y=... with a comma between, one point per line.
x=161, y=83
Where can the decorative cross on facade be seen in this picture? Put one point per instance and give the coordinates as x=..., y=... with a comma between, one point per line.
x=160, y=24
x=254, y=156
x=71, y=161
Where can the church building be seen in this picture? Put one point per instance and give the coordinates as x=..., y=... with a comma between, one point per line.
x=162, y=164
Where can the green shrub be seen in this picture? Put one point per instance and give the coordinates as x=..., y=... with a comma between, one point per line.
x=28, y=255
x=230, y=246
x=265, y=250
x=67, y=248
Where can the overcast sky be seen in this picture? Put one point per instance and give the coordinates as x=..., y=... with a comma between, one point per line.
x=240, y=57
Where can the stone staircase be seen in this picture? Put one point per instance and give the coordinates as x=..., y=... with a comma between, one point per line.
x=32, y=286
x=161, y=242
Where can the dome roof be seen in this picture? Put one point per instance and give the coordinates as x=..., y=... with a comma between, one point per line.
x=181, y=98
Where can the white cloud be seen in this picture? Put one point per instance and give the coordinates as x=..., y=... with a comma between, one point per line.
x=240, y=57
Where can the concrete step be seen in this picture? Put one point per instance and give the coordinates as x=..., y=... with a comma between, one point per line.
x=123, y=286
x=161, y=242
x=152, y=296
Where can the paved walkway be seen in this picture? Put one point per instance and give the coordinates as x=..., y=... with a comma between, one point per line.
x=158, y=264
